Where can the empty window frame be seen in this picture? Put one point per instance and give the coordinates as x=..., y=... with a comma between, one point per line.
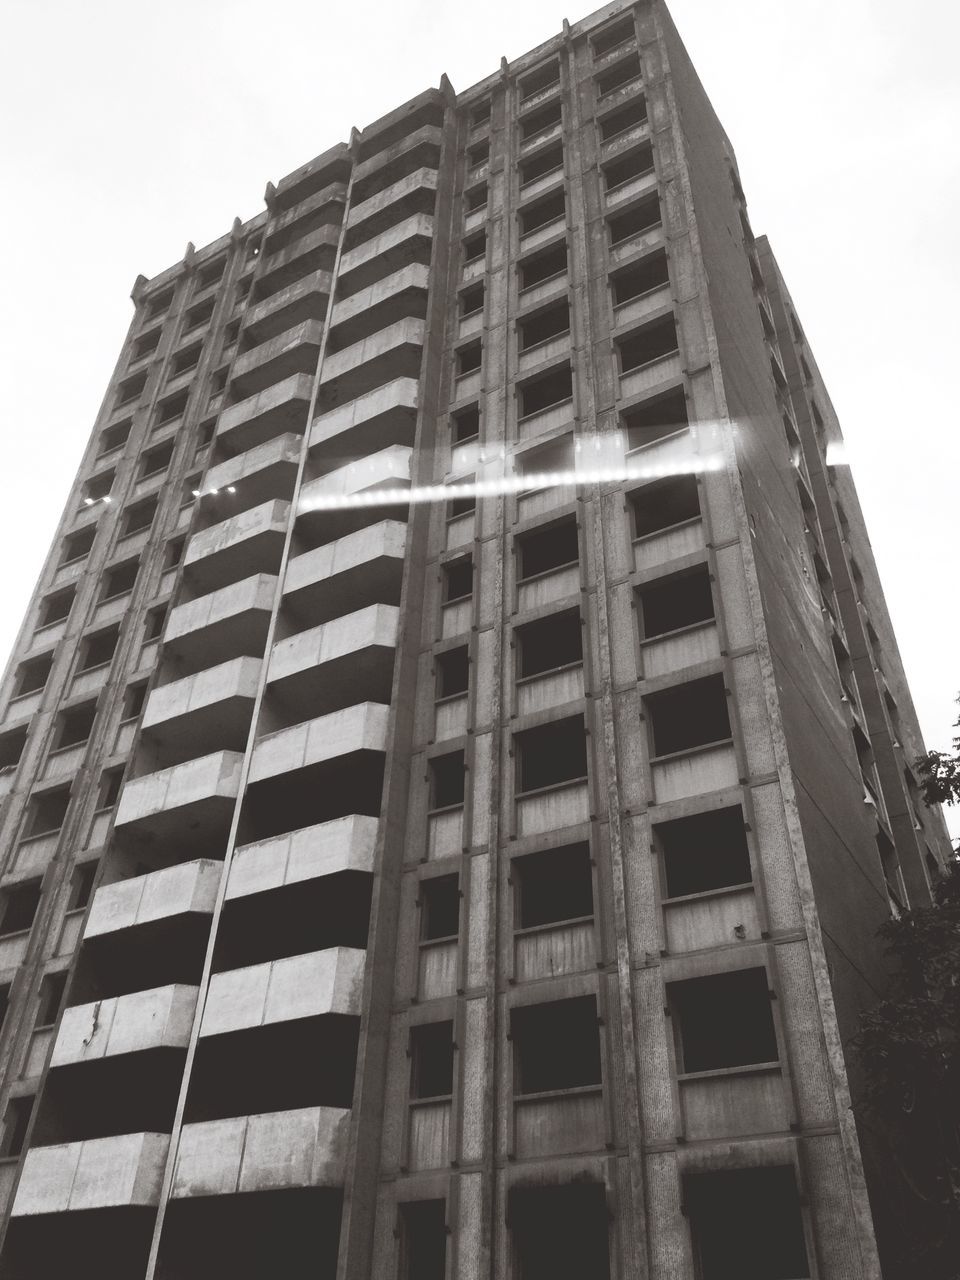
x=540, y=121
x=464, y=504
x=210, y=274
x=98, y=649
x=75, y=725
x=56, y=607
x=630, y=116
x=723, y=1020
x=549, y=644
x=47, y=811
x=120, y=579
x=664, y=504
x=77, y=546
x=547, y=160
x=547, y=548
x=620, y=73
x=479, y=153
x=52, y=987
x=130, y=388
x=159, y=305
x=153, y=627
x=551, y=755
x=110, y=782
x=18, y=907
x=560, y=1231
x=541, y=267
x=12, y=744
x=655, y=419
x=173, y=552
x=81, y=884
x=133, y=700
x=431, y=1060
x=32, y=675
x=423, y=1240
x=536, y=81
x=457, y=581
x=114, y=437
x=453, y=672
x=138, y=517
x=4, y=1001
x=746, y=1223
x=635, y=164
x=447, y=780
x=172, y=407
x=689, y=715
x=553, y=886
x=16, y=1122
x=674, y=602
x=556, y=1046
x=199, y=315
x=640, y=218
x=469, y=358
x=550, y=322
x=439, y=908
x=617, y=34
x=474, y=247
x=541, y=213
x=465, y=424
x=185, y=360
x=546, y=390
x=548, y=464
x=480, y=113
x=146, y=345
x=704, y=852
x=98, y=487
x=156, y=460
x=471, y=300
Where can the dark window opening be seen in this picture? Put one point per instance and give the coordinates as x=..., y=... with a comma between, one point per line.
x=549, y=460
x=4, y=1002
x=138, y=517
x=184, y=360
x=556, y=1045
x=664, y=503
x=156, y=460
x=464, y=503
x=466, y=424
x=78, y=545
x=689, y=715
x=190, y=491
x=640, y=278
x=120, y=579
x=478, y=153
x=549, y=160
x=680, y=600
x=52, y=987
x=172, y=407
x=453, y=672
x=98, y=649
x=133, y=700
x=12, y=744
x=610, y=37
x=160, y=304
x=561, y=1232
x=153, y=628
x=543, y=266
x=98, y=487
x=634, y=222
x=626, y=117
x=198, y=315
x=542, y=212
x=81, y=885
x=16, y=1121
x=540, y=121
x=130, y=388
x=554, y=546
x=551, y=754
x=549, y=323
x=47, y=812
x=549, y=643
x=32, y=675
x=457, y=579
x=75, y=726
x=547, y=390
x=447, y=780
x=439, y=908
x=211, y=274
x=56, y=607
x=480, y=113
x=553, y=885
x=475, y=247
x=109, y=793
x=746, y=1223
x=540, y=79
x=704, y=851
x=18, y=905
x=469, y=358
x=173, y=552
x=471, y=300
x=423, y=1235
x=625, y=70
x=431, y=1060
x=146, y=345
x=656, y=419
x=114, y=437
x=633, y=165
x=723, y=1020
x=643, y=346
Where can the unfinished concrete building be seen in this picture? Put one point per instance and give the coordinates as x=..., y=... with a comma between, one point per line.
x=457, y=757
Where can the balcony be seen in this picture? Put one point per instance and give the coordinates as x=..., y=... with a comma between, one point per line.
x=332, y=506
x=336, y=664
x=391, y=353
x=407, y=154
x=190, y=888
x=341, y=733
x=266, y=471
x=365, y=567
x=401, y=244
x=307, y=986
x=311, y=253
x=302, y=1148
x=187, y=806
x=416, y=193
x=282, y=407
x=137, y=1023
x=385, y=416
x=295, y=351
x=202, y=712
x=382, y=303
x=251, y=542
x=323, y=208
x=345, y=844
x=228, y=622
x=299, y=303
x=97, y=1174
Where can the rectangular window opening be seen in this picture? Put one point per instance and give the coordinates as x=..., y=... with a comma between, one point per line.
x=704, y=851
x=635, y=164
x=560, y=1231
x=676, y=601
x=81, y=884
x=631, y=115
x=746, y=1223
x=75, y=726
x=120, y=579
x=540, y=267
x=549, y=160
x=475, y=247
x=553, y=885
x=471, y=300
x=457, y=579
x=18, y=905
x=447, y=780
x=546, y=390
x=453, y=672
x=723, y=1020
x=556, y=1046
x=138, y=517
x=469, y=358
x=476, y=198
x=439, y=908
x=12, y=744
x=32, y=675
x=98, y=649
x=689, y=715
x=611, y=36
x=643, y=217
x=551, y=754
x=548, y=548
x=114, y=437
x=549, y=643
x=423, y=1235
x=542, y=212
x=56, y=607
x=52, y=987
x=16, y=1122
x=465, y=424
x=621, y=73
x=540, y=121
x=549, y=323
x=664, y=503
x=656, y=419
x=77, y=546
x=540, y=79
x=431, y=1060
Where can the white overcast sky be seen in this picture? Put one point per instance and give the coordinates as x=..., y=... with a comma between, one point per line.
x=132, y=127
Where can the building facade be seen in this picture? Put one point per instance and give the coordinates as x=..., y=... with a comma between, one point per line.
x=457, y=757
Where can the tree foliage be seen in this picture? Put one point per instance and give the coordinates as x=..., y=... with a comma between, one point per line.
x=940, y=773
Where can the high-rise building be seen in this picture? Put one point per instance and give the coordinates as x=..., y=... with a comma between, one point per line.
x=457, y=757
